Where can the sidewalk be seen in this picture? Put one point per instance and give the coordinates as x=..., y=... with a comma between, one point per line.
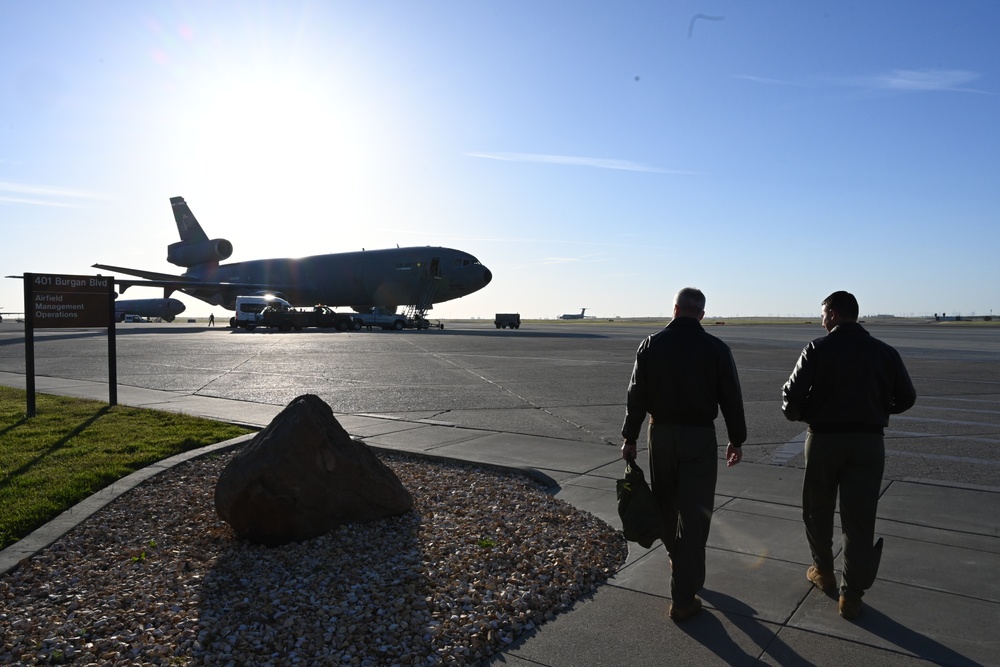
x=937, y=599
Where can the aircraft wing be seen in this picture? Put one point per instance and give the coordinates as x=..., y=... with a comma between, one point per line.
x=149, y=275
x=170, y=283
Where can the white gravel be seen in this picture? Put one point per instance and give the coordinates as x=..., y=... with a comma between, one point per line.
x=156, y=578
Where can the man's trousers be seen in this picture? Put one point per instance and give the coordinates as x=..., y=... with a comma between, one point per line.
x=683, y=467
x=851, y=463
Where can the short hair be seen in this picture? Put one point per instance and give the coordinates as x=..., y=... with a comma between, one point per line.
x=690, y=301
x=844, y=304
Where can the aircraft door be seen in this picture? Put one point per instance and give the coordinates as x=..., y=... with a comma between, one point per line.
x=436, y=267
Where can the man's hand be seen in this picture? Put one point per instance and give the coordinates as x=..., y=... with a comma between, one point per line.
x=629, y=449
x=733, y=455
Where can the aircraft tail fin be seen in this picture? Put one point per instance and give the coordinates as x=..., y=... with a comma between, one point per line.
x=187, y=224
x=194, y=249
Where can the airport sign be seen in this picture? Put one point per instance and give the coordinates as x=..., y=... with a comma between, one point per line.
x=57, y=301
x=60, y=301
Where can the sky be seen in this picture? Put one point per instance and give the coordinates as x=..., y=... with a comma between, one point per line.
x=590, y=154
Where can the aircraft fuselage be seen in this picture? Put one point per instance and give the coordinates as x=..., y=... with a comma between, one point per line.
x=166, y=309
x=386, y=278
x=364, y=279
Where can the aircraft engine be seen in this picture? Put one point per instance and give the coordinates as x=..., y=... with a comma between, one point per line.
x=188, y=254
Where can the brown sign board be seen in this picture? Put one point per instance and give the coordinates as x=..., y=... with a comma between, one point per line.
x=59, y=301
x=53, y=301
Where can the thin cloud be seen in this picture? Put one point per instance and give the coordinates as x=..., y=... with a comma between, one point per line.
x=923, y=80
x=574, y=161
x=770, y=82
x=898, y=81
x=598, y=257
x=41, y=195
x=549, y=261
x=453, y=236
x=35, y=202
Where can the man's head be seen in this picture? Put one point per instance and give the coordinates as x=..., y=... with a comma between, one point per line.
x=689, y=302
x=839, y=307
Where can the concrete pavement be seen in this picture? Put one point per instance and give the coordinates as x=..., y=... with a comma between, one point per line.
x=936, y=601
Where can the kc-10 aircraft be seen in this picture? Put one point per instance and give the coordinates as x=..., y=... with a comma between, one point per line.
x=416, y=276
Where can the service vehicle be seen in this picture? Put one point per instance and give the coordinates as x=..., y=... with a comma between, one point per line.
x=507, y=320
x=284, y=318
x=377, y=317
x=250, y=310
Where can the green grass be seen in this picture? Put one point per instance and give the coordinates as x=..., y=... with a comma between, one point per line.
x=74, y=447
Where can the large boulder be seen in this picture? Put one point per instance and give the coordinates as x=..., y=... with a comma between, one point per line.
x=302, y=476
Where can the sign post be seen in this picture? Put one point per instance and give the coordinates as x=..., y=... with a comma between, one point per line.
x=53, y=301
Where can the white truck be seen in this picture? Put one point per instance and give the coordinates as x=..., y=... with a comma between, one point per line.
x=250, y=310
x=376, y=317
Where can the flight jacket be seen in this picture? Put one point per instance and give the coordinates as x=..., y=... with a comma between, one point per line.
x=683, y=375
x=847, y=381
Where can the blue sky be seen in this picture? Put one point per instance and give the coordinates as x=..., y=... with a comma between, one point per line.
x=591, y=154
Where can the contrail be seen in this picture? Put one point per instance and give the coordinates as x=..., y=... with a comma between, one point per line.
x=702, y=16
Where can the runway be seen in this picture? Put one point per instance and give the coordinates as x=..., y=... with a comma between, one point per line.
x=563, y=380
x=550, y=397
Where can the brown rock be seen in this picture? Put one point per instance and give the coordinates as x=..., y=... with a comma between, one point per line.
x=302, y=476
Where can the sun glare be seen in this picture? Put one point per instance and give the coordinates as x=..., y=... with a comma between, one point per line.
x=296, y=150
x=269, y=127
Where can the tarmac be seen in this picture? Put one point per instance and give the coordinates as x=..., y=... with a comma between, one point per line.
x=936, y=601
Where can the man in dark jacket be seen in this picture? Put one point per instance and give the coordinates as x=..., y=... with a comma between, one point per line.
x=845, y=385
x=682, y=375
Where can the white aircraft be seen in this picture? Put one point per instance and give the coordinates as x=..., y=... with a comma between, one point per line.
x=417, y=277
x=165, y=309
x=573, y=316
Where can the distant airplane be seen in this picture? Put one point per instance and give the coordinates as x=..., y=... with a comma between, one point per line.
x=165, y=309
x=417, y=277
x=9, y=313
x=573, y=316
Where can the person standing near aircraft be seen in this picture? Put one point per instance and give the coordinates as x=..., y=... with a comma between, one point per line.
x=211, y=319
x=681, y=377
x=845, y=385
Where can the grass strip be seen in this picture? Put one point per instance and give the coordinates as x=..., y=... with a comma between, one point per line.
x=74, y=447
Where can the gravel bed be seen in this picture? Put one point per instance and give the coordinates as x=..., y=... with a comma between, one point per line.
x=156, y=578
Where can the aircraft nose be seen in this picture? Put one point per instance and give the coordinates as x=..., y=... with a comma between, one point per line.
x=487, y=276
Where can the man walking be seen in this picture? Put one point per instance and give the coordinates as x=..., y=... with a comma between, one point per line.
x=845, y=385
x=681, y=377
